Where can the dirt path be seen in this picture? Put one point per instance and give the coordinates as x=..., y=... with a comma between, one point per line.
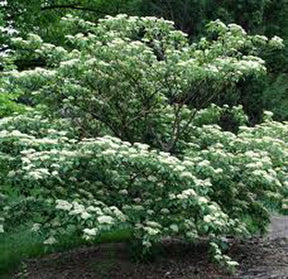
x=278, y=227
x=259, y=258
x=266, y=258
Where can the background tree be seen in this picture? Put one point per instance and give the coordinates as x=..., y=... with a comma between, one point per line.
x=257, y=17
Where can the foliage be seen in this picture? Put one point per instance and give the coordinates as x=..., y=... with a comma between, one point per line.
x=269, y=16
x=43, y=17
x=8, y=100
x=275, y=97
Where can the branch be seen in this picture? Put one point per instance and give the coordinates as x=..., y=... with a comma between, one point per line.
x=4, y=48
x=73, y=7
x=107, y=123
x=29, y=64
x=177, y=130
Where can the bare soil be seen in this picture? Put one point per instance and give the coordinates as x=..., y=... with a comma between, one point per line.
x=263, y=258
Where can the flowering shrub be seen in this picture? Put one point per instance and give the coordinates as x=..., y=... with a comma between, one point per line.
x=220, y=186
x=136, y=145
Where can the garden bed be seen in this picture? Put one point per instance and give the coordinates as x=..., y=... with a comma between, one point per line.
x=258, y=258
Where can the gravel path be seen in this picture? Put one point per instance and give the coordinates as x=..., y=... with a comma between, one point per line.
x=259, y=259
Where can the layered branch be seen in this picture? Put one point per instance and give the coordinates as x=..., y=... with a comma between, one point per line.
x=73, y=7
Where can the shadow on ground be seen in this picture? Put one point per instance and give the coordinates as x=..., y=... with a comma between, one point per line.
x=259, y=258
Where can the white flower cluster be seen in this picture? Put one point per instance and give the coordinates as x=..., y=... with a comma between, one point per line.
x=1, y=229
x=276, y=42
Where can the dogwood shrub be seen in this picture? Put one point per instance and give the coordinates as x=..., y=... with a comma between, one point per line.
x=130, y=141
x=222, y=183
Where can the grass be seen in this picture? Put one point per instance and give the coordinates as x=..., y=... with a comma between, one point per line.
x=120, y=235
x=22, y=244
x=15, y=247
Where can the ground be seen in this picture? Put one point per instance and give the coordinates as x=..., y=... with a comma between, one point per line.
x=263, y=258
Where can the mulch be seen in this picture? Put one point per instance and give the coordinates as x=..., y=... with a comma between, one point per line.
x=263, y=258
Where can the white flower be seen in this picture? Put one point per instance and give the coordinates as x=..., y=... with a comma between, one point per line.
x=150, y=212
x=268, y=113
x=63, y=205
x=151, y=231
x=91, y=208
x=165, y=211
x=90, y=232
x=11, y=173
x=16, y=133
x=259, y=173
x=147, y=244
x=203, y=200
x=126, y=143
x=191, y=235
x=269, y=178
x=137, y=200
x=153, y=224
x=219, y=170
x=109, y=152
x=141, y=145
x=55, y=223
x=77, y=210
x=69, y=63
x=172, y=196
x=187, y=174
x=95, y=209
x=205, y=183
x=174, y=228
x=208, y=218
x=26, y=160
x=105, y=219
x=28, y=151
x=36, y=227
x=50, y=241
x=150, y=18
x=152, y=178
x=186, y=194
x=138, y=207
x=179, y=168
x=204, y=163
x=35, y=175
x=123, y=192
x=232, y=263
x=55, y=173
x=276, y=42
x=236, y=28
x=85, y=215
x=188, y=163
